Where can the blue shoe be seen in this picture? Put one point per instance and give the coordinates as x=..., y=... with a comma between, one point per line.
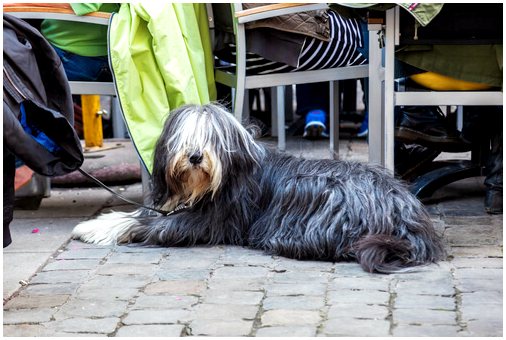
x=364, y=127
x=316, y=127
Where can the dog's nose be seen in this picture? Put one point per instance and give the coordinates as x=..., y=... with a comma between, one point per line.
x=195, y=158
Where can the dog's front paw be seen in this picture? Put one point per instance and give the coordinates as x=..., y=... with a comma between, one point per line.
x=103, y=230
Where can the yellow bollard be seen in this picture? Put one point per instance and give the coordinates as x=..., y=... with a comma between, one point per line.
x=92, y=121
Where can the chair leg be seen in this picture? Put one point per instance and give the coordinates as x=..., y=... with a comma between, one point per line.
x=278, y=106
x=334, y=118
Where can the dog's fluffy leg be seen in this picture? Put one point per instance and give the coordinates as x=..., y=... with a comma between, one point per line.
x=105, y=229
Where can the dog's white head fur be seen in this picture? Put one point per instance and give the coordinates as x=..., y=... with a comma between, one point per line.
x=201, y=143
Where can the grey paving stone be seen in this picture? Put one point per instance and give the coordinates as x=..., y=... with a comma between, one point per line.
x=287, y=331
x=424, y=316
x=482, y=298
x=285, y=276
x=86, y=253
x=478, y=262
x=212, y=311
x=356, y=327
x=221, y=328
x=218, y=296
x=192, y=263
x=188, y=287
x=169, y=275
x=164, y=302
x=91, y=309
x=294, y=302
x=283, y=317
x=82, y=325
x=117, y=281
x=36, y=301
x=107, y=293
x=61, y=276
x=369, y=283
x=50, y=289
x=24, y=330
x=135, y=258
x=472, y=285
x=256, y=284
x=443, y=286
x=125, y=269
x=295, y=289
x=72, y=264
x=484, y=313
x=240, y=272
x=482, y=273
x=426, y=330
x=151, y=330
x=425, y=302
x=146, y=317
x=36, y=315
x=358, y=310
x=350, y=296
x=488, y=329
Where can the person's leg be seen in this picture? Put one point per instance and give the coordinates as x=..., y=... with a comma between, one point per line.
x=84, y=68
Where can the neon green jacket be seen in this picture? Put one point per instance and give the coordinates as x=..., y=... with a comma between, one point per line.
x=161, y=58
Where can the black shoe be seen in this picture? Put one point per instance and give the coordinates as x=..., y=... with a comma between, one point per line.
x=427, y=126
x=411, y=158
x=493, y=201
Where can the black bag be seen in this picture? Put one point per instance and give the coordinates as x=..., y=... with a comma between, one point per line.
x=38, y=114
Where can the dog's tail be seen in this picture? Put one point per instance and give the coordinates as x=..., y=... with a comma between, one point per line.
x=388, y=254
x=106, y=229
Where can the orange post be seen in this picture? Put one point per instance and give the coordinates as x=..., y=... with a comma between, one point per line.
x=92, y=121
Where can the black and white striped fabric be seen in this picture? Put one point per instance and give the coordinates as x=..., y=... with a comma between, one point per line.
x=340, y=51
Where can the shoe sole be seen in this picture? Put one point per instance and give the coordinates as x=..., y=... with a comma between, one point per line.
x=447, y=144
x=313, y=132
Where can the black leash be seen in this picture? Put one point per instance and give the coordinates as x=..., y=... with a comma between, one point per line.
x=163, y=212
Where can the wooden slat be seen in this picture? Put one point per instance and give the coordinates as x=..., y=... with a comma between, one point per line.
x=266, y=8
x=50, y=9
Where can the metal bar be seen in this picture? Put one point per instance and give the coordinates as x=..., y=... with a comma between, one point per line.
x=430, y=98
x=391, y=30
x=334, y=118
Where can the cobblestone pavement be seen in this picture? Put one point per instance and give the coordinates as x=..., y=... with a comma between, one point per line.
x=87, y=290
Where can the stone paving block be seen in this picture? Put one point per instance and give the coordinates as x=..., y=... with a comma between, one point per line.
x=488, y=329
x=356, y=327
x=443, y=286
x=283, y=317
x=164, y=302
x=477, y=251
x=184, y=275
x=287, y=331
x=117, y=281
x=256, y=284
x=36, y=301
x=61, y=276
x=240, y=272
x=350, y=296
x=424, y=316
x=218, y=296
x=292, y=265
x=351, y=269
x=146, y=317
x=285, y=276
x=482, y=273
x=50, y=289
x=182, y=287
x=135, y=248
x=426, y=330
x=484, y=313
x=151, y=330
x=354, y=283
x=294, y=302
x=260, y=259
x=482, y=298
x=220, y=328
x=295, y=289
x=125, y=269
x=476, y=284
x=91, y=309
x=470, y=235
x=135, y=258
x=24, y=330
x=87, y=253
x=189, y=263
x=212, y=311
x=72, y=264
x=37, y=315
x=478, y=262
x=358, y=310
x=424, y=301
x=115, y=293
x=82, y=325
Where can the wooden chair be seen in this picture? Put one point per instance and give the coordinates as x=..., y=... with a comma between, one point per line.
x=234, y=19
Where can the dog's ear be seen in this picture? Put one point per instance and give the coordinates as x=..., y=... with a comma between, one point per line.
x=160, y=191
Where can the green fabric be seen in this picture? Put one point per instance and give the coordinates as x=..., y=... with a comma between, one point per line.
x=422, y=12
x=476, y=63
x=89, y=40
x=161, y=58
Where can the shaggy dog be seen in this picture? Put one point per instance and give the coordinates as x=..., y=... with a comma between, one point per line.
x=236, y=191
